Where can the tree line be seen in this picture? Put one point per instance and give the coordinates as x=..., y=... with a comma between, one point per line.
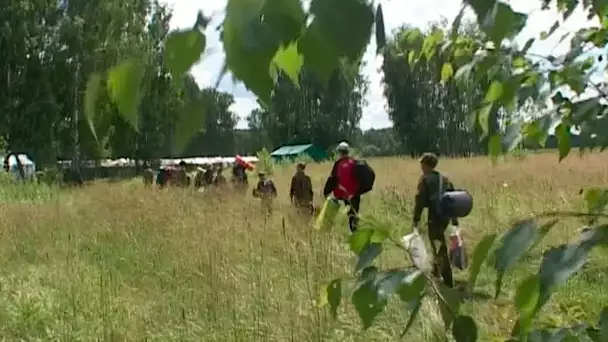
x=48, y=49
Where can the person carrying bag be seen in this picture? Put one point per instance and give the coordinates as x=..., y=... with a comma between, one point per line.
x=445, y=204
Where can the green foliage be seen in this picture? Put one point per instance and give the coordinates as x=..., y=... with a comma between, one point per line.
x=479, y=256
x=304, y=158
x=182, y=50
x=264, y=39
x=265, y=162
x=124, y=82
x=374, y=287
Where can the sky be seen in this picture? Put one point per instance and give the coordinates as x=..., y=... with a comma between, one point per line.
x=396, y=13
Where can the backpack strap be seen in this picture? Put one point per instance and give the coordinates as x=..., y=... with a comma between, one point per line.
x=439, y=190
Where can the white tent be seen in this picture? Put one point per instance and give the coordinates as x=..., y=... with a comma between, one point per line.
x=28, y=165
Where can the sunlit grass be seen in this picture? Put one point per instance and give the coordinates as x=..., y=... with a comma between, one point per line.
x=119, y=262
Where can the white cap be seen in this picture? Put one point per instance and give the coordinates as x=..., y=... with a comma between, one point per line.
x=343, y=146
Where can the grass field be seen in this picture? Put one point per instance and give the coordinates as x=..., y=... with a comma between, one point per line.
x=118, y=262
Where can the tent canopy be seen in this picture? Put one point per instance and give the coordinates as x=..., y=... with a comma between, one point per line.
x=293, y=151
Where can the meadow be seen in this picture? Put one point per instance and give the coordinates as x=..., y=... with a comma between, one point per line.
x=118, y=262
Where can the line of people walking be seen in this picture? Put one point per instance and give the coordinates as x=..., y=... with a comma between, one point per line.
x=348, y=180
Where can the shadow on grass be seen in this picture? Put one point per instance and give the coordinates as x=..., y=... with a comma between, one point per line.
x=475, y=296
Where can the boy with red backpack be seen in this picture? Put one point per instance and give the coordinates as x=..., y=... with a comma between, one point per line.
x=349, y=179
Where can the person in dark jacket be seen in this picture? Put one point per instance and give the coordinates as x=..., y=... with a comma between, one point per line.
x=239, y=178
x=426, y=197
x=300, y=192
x=220, y=180
x=181, y=175
x=343, y=185
x=199, y=178
x=208, y=176
x=148, y=175
x=266, y=192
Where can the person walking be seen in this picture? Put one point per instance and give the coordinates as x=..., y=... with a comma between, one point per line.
x=343, y=184
x=266, y=192
x=300, y=192
x=430, y=187
x=239, y=179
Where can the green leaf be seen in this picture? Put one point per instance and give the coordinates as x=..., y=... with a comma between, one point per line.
x=603, y=324
x=290, y=61
x=412, y=58
x=481, y=8
x=495, y=91
x=319, y=54
x=368, y=303
x=464, y=329
x=553, y=28
x=528, y=45
x=564, y=145
x=411, y=294
x=560, y=263
x=191, y=118
x=368, y=255
x=412, y=287
x=447, y=71
x=182, y=50
x=457, y=22
x=252, y=33
x=512, y=137
x=449, y=304
x=514, y=245
x=495, y=146
x=527, y=297
x=543, y=231
x=479, y=256
x=380, y=30
x=360, y=239
x=389, y=282
x=430, y=44
x=414, y=308
x=346, y=24
x=484, y=117
x=519, y=62
x=464, y=71
x=596, y=200
x=503, y=23
x=90, y=101
x=201, y=21
x=332, y=294
x=123, y=83
x=538, y=130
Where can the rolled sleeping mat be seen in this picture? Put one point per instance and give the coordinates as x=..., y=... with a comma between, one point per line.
x=327, y=216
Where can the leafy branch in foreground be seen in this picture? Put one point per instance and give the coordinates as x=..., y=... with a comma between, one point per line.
x=263, y=36
x=371, y=288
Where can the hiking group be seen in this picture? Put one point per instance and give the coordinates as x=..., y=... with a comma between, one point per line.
x=349, y=179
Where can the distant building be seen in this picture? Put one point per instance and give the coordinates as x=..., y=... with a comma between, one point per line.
x=291, y=152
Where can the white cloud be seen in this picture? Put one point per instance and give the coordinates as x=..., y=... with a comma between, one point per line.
x=396, y=13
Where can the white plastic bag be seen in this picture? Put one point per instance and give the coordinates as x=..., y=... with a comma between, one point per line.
x=414, y=243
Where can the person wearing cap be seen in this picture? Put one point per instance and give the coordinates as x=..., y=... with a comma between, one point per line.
x=342, y=183
x=300, y=192
x=199, y=178
x=219, y=180
x=148, y=175
x=266, y=192
x=181, y=175
x=239, y=178
x=426, y=197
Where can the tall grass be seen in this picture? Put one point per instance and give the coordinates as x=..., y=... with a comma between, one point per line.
x=118, y=262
